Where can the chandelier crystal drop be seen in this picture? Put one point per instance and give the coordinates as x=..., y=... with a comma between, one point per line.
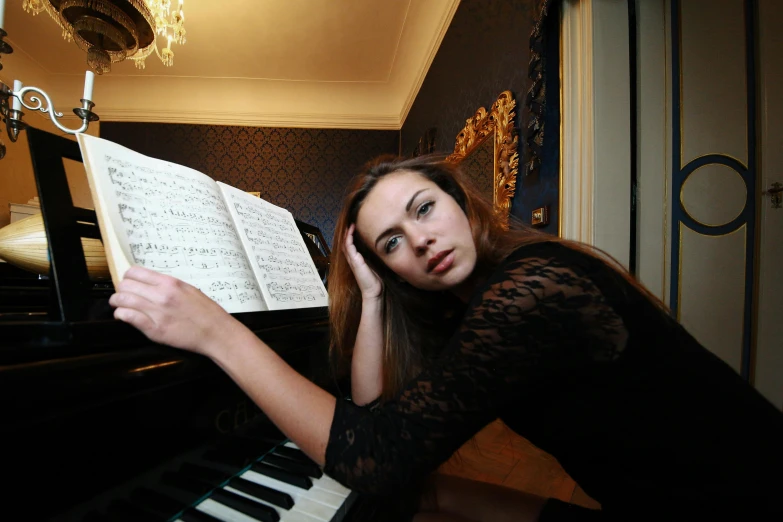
x=112, y=31
x=33, y=6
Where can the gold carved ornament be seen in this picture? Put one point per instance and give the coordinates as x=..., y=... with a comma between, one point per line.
x=498, y=123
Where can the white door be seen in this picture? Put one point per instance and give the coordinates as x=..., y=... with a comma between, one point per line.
x=768, y=368
x=710, y=141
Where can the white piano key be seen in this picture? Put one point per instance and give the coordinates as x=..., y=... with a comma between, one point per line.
x=223, y=512
x=286, y=515
x=316, y=494
x=310, y=501
x=291, y=445
x=329, y=484
x=326, y=498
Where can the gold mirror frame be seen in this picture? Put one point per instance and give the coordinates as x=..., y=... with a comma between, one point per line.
x=499, y=124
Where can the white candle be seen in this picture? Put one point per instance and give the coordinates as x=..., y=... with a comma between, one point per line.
x=17, y=103
x=2, y=14
x=89, y=78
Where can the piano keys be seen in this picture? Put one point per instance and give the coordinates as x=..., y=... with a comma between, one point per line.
x=245, y=480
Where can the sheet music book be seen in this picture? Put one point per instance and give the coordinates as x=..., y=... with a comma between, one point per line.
x=243, y=252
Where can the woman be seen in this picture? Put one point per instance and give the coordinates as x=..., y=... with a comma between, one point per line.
x=562, y=346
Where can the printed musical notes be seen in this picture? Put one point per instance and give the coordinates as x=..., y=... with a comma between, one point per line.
x=241, y=251
x=174, y=220
x=276, y=250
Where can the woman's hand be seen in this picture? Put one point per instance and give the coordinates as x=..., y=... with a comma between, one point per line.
x=172, y=312
x=369, y=282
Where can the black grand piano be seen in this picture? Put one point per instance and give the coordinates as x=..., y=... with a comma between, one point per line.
x=101, y=424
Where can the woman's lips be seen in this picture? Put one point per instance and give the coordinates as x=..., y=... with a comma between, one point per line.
x=441, y=262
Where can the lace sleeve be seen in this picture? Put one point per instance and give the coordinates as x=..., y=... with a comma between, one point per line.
x=535, y=314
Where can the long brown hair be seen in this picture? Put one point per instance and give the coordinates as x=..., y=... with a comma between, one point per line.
x=416, y=322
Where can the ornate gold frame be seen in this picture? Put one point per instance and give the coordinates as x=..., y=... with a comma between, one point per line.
x=499, y=123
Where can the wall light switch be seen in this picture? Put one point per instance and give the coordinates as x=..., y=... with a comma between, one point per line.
x=540, y=217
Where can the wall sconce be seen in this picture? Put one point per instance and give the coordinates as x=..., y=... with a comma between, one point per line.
x=12, y=100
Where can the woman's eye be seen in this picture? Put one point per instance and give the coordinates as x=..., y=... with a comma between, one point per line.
x=391, y=243
x=425, y=208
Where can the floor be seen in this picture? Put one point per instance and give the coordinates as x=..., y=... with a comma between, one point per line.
x=499, y=456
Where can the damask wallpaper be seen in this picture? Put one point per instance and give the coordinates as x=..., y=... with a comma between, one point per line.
x=303, y=170
x=479, y=167
x=486, y=51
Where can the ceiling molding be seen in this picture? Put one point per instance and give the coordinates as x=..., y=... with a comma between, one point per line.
x=445, y=22
x=250, y=119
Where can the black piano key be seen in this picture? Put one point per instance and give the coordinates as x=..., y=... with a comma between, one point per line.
x=295, y=479
x=293, y=454
x=310, y=469
x=194, y=515
x=203, y=473
x=244, y=505
x=156, y=502
x=278, y=498
x=185, y=483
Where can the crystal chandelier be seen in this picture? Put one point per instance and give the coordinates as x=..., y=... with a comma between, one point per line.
x=112, y=31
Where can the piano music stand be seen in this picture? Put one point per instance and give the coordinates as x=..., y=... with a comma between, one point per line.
x=316, y=246
x=65, y=225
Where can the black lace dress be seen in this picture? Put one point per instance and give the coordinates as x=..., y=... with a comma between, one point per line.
x=574, y=358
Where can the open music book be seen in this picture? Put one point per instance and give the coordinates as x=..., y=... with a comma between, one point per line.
x=241, y=251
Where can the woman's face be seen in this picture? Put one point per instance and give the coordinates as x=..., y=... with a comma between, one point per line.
x=419, y=232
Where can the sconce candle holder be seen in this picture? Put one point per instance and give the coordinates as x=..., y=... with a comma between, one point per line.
x=13, y=117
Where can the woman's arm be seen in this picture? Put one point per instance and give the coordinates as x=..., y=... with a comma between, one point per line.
x=367, y=358
x=299, y=408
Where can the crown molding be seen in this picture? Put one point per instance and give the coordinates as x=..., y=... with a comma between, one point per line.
x=434, y=45
x=252, y=119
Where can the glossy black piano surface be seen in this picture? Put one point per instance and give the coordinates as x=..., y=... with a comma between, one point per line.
x=89, y=404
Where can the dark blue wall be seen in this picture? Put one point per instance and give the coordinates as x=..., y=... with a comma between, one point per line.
x=486, y=51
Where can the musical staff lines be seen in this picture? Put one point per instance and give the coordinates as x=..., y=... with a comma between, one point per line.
x=175, y=221
x=281, y=262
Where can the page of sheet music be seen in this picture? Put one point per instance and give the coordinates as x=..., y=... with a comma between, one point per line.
x=173, y=220
x=277, y=252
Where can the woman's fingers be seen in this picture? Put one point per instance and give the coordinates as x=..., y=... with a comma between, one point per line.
x=148, y=291
x=144, y=275
x=351, y=253
x=135, y=318
x=140, y=300
x=172, y=312
x=348, y=244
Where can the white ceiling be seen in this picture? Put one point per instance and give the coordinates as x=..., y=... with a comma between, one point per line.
x=310, y=63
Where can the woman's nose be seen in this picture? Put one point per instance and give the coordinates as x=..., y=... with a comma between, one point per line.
x=422, y=243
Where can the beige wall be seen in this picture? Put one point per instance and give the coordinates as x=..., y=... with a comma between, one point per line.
x=17, y=182
x=595, y=142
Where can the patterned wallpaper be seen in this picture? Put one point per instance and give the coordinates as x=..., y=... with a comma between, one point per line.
x=485, y=52
x=478, y=167
x=303, y=170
